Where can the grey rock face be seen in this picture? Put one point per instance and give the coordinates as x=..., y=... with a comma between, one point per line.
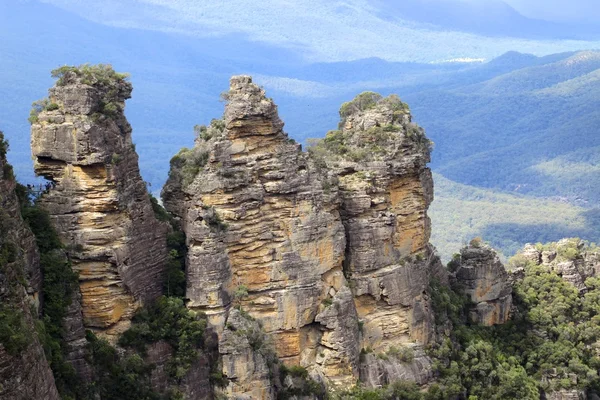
x=486, y=281
x=257, y=216
x=99, y=203
x=25, y=374
x=195, y=385
x=376, y=370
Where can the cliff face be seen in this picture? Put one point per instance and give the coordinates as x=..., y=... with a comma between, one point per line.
x=98, y=202
x=311, y=246
x=486, y=282
x=379, y=158
x=258, y=220
x=24, y=371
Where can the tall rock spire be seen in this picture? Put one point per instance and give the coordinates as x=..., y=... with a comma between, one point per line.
x=264, y=234
x=81, y=142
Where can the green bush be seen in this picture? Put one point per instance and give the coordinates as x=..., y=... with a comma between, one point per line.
x=126, y=378
x=58, y=287
x=100, y=74
x=188, y=163
x=14, y=333
x=168, y=319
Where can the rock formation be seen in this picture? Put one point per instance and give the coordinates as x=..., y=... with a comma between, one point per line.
x=98, y=202
x=484, y=279
x=379, y=157
x=309, y=245
x=259, y=221
x=569, y=258
x=24, y=371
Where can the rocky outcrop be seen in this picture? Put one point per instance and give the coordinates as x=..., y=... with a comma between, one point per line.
x=484, y=279
x=248, y=359
x=409, y=363
x=316, y=248
x=378, y=158
x=98, y=202
x=24, y=370
x=259, y=221
x=566, y=395
x=571, y=259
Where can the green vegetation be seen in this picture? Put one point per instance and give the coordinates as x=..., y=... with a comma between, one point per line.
x=548, y=345
x=396, y=391
x=215, y=129
x=303, y=384
x=175, y=282
x=37, y=107
x=117, y=377
x=168, y=319
x=7, y=169
x=58, y=287
x=14, y=334
x=376, y=143
x=507, y=221
x=214, y=221
x=188, y=163
x=93, y=75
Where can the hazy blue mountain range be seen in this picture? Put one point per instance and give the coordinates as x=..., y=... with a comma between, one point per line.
x=521, y=124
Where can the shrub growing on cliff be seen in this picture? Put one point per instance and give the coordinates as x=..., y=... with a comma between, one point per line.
x=57, y=291
x=100, y=74
x=188, y=163
x=126, y=378
x=168, y=319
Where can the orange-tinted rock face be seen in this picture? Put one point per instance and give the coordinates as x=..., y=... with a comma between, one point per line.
x=98, y=201
x=280, y=233
x=380, y=157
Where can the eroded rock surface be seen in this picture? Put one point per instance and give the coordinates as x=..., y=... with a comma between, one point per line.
x=98, y=201
x=317, y=248
x=569, y=258
x=484, y=278
x=248, y=359
x=378, y=158
x=24, y=370
x=258, y=218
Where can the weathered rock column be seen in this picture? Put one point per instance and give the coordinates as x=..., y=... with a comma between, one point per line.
x=263, y=232
x=98, y=201
x=380, y=158
x=486, y=282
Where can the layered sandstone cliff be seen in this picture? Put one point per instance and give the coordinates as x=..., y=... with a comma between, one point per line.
x=329, y=252
x=484, y=279
x=258, y=220
x=24, y=370
x=379, y=157
x=98, y=202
